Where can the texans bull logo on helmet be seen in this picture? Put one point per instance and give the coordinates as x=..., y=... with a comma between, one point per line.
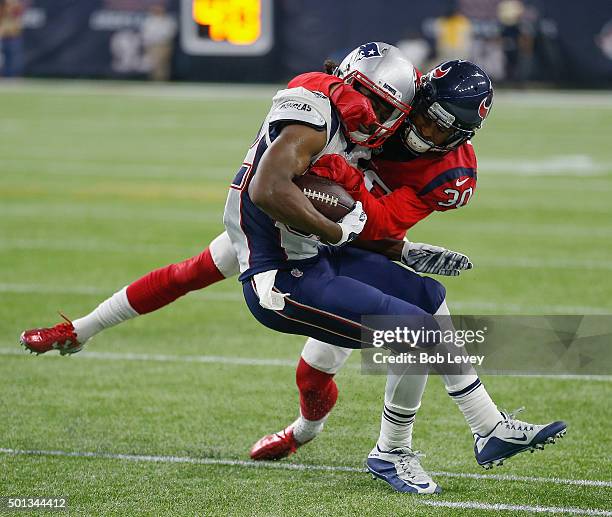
x=485, y=106
x=440, y=72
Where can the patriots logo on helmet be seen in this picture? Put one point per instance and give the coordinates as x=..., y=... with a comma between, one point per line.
x=485, y=106
x=440, y=72
x=369, y=50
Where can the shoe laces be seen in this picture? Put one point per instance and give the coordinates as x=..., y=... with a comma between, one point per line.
x=409, y=462
x=287, y=436
x=513, y=423
x=58, y=332
x=68, y=320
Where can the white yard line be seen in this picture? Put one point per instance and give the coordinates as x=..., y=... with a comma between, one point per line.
x=183, y=251
x=52, y=211
x=51, y=165
x=252, y=361
x=294, y=466
x=457, y=306
x=555, y=98
x=571, y=165
x=163, y=358
x=104, y=291
x=54, y=289
x=552, y=263
x=96, y=246
x=578, y=165
x=177, y=91
x=496, y=507
x=122, y=213
x=340, y=468
x=468, y=307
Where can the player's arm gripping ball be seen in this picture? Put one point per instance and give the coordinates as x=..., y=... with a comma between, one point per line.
x=335, y=203
x=274, y=192
x=352, y=224
x=425, y=258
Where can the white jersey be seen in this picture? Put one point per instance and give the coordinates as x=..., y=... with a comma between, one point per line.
x=261, y=243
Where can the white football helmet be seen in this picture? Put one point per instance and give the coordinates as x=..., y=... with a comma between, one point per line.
x=383, y=70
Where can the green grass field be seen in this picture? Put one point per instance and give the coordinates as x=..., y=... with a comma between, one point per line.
x=100, y=183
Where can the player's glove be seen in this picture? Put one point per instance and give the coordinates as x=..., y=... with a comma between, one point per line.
x=352, y=224
x=355, y=109
x=425, y=258
x=336, y=168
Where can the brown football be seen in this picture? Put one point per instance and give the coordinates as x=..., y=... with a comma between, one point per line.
x=329, y=198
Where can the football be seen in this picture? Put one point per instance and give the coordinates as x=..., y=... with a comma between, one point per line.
x=329, y=198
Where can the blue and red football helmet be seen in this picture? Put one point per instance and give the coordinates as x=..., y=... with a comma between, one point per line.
x=456, y=95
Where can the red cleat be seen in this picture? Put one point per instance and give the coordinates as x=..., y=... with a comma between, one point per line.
x=275, y=446
x=62, y=337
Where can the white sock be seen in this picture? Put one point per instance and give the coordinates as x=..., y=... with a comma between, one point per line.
x=466, y=390
x=395, y=427
x=403, y=394
x=109, y=313
x=305, y=430
x=479, y=410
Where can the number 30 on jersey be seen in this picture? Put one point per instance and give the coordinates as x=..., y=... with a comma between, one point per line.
x=456, y=199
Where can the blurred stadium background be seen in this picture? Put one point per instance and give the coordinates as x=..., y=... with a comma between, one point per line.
x=103, y=180
x=539, y=41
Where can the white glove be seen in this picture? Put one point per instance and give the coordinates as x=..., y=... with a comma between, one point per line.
x=352, y=224
x=425, y=258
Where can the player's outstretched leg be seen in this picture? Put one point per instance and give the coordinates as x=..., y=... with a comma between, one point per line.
x=147, y=294
x=318, y=394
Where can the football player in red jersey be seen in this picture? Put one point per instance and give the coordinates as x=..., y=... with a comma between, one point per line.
x=429, y=166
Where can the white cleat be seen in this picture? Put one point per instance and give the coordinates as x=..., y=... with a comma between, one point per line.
x=511, y=436
x=402, y=469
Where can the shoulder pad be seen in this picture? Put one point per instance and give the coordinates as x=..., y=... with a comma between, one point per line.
x=301, y=105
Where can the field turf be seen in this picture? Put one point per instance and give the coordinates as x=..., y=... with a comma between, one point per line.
x=101, y=183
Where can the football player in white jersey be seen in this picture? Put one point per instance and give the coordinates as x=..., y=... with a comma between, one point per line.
x=292, y=282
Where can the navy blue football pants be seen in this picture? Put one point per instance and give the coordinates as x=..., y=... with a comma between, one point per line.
x=328, y=296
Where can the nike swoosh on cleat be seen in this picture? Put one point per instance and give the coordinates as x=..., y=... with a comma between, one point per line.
x=420, y=485
x=519, y=439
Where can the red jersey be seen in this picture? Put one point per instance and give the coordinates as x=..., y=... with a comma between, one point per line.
x=401, y=193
